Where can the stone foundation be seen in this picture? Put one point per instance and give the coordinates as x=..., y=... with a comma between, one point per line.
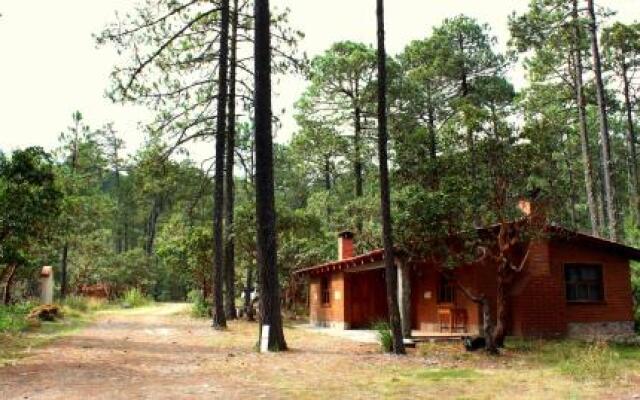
x=600, y=330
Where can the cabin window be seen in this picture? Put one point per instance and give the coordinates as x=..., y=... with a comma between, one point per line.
x=446, y=291
x=325, y=291
x=584, y=282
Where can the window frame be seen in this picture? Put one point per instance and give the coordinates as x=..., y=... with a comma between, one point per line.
x=441, y=297
x=600, y=281
x=325, y=291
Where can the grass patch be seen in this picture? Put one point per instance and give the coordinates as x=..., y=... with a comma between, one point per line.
x=448, y=374
x=134, y=298
x=384, y=335
x=18, y=341
x=581, y=361
x=200, y=308
x=13, y=317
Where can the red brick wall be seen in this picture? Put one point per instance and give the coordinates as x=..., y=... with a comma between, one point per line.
x=425, y=280
x=618, y=303
x=536, y=305
x=335, y=311
x=539, y=305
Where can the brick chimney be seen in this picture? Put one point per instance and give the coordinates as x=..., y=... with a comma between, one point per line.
x=533, y=207
x=525, y=207
x=345, y=245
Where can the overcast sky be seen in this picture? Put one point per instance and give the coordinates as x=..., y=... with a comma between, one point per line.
x=50, y=66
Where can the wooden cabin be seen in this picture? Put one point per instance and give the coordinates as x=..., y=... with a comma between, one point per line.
x=572, y=285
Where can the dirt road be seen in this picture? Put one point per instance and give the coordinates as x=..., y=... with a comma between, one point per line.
x=142, y=353
x=150, y=353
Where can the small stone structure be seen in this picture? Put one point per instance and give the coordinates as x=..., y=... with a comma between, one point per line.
x=46, y=285
x=600, y=330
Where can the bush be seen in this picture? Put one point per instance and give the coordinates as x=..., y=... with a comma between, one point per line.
x=385, y=337
x=13, y=317
x=134, y=298
x=582, y=361
x=593, y=361
x=83, y=304
x=199, y=306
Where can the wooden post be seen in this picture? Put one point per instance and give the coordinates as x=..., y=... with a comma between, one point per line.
x=404, y=298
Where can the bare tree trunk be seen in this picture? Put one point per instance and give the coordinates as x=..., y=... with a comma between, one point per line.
x=501, y=308
x=6, y=298
x=219, y=320
x=358, y=159
x=431, y=126
x=265, y=199
x=248, y=289
x=631, y=147
x=64, y=271
x=488, y=327
x=229, y=250
x=582, y=124
x=607, y=164
x=391, y=273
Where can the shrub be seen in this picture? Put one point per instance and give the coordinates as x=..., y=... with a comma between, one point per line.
x=134, y=298
x=83, y=303
x=385, y=337
x=13, y=317
x=594, y=361
x=199, y=306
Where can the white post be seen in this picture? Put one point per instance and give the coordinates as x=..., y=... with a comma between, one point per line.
x=46, y=285
x=264, y=339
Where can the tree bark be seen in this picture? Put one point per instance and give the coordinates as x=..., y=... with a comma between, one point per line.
x=501, y=307
x=63, y=273
x=265, y=199
x=582, y=124
x=6, y=298
x=631, y=148
x=219, y=320
x=248, y=289
x=391, y=272
x=607, y=164
x=229, y=250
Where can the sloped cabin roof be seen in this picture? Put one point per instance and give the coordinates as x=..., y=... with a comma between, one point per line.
x=556, y=232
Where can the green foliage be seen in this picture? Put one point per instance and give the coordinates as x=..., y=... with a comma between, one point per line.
x=594, y=361
x=133, y=298
x=83, y=304
x=13, y=317
x=200, y=308
x=385, y=337
x=29, y=203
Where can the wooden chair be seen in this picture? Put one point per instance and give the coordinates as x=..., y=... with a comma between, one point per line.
x=460, y=319
x=445, y=319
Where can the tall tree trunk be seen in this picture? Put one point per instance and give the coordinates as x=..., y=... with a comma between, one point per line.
x=152, y=224
x=631, y=148
x=265, y=199
x=391, y=273
x=358, y=158
x=248, y=289
x=572, y=193
x=9, y=285
x=219, y=320
x=63, y=273
x=607, y=164
x=582, y=124
x=431, y=128
x=500, y=331
x=229, y=250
